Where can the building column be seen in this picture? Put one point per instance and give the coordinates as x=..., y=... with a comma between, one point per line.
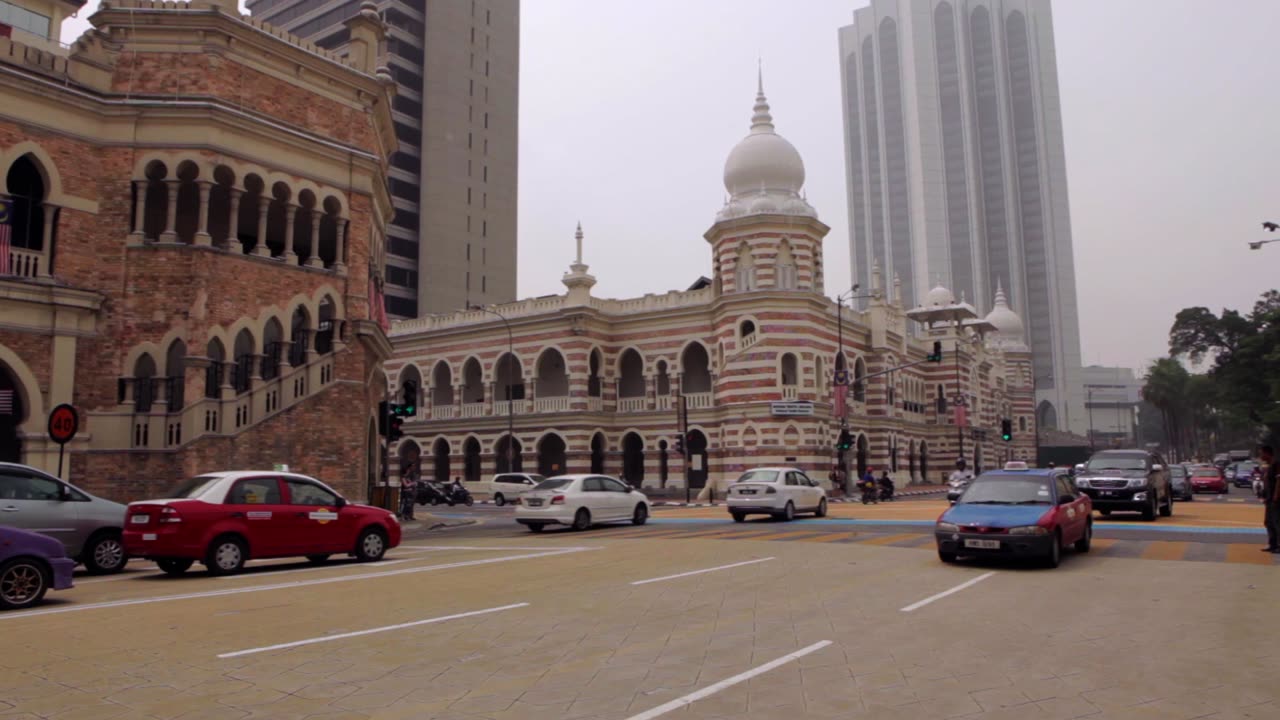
x=260, y=244
x=50, y=220
x=170, y=233
x=313, y=260
x=202, y=230
x=233, y=221
x=290, y=252
x=339, y=264
x=139, y=234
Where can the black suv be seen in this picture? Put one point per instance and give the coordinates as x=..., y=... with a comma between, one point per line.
x=1127, y=480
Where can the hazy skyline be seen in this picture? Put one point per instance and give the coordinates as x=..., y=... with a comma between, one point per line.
x=628, y=112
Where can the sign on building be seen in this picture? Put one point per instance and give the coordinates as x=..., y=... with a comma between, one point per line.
x=800, y=408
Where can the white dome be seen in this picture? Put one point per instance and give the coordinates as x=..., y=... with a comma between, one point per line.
x=1007, y=322
x=763, y=160
x=939, y=296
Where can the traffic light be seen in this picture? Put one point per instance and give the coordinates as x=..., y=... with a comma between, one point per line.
x=409, y=407
x=936, y=355
x=845, y=442
x=383, y=415
x=1006, y=430
x=680, y=445
x=395, y=431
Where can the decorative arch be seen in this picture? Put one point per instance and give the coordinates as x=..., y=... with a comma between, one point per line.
x=472, y=380
x=595, y=366
x=28, y=389
x=747, y=327
x=440, y=451
x=552, y=451
x=551, y=370
x=55, y=194
x=633, y=447
x=441, y=384
x=631, y=376
x=696, y=378
x=137, y=351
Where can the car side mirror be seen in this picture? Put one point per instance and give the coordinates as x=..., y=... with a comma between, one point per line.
x=342, y=502
x=630, y=489
x=63, y=493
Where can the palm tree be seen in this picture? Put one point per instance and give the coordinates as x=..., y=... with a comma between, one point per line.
x=1166, y=389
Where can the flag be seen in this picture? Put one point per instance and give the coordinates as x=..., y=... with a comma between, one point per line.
x=6, y=237
x=378, y=305
x=838, y=400
x=6, y=402
x=961, y=418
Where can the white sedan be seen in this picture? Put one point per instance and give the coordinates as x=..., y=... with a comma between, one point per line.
x=581, y=501
x=777, y=491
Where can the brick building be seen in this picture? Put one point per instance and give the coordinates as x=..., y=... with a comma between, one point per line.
x=592, y=384
x=195, y=203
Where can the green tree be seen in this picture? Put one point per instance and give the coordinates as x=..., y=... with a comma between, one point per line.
x=1166, y=389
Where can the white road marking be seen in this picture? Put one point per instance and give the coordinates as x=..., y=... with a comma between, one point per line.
x=370, y=631
x=281, y=586
x=699, y=572
x=944, y=593
x=727, y=683
x=335, y=566
x=437, y=548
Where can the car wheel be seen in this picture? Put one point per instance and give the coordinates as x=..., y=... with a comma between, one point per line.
x=822, y=508
x=175, y=567
x=536, y=527
x=371, y=545
x=23, y=583
x=104, y=554
x=946, y=557
x=1150, y=511
x=641, y=515
x=499, y=500
x=789, y=512
x=226, y=555
x=319, y=559
x=1085, y=541
x=582, y=519
x=1167, y=509
x=1055, y=552
x=739, y=517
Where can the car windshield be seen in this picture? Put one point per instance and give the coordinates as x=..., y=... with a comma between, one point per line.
x=1245, y=467
x=195, y=487
x=554, y=483
x=1004, y=490
x=1205, y=472
x=1117, y=462
x=1178, y=471
x=760, y=476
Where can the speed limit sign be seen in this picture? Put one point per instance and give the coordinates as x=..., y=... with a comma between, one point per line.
x=64, y=421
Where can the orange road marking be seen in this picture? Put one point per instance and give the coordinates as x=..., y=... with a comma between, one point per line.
x=890, y=539
x=781, y=535
x=1164, y=550
x=1248, y=553
x=1102, y=543
x=832, y=537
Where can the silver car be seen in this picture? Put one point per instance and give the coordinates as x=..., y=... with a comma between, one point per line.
x=88, y=526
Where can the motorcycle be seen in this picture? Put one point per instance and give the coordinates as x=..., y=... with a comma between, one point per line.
x=430, y=493
x=869, y=494
x=458, y=495
x=886, y=491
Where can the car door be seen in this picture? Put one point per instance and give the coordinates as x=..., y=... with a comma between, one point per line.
x=257, y=505
x=1072, y=510
x=39, y=504
x=791, y=490
x=811, y=489
x=620, y=499
x=315, y=523
x=595, y=499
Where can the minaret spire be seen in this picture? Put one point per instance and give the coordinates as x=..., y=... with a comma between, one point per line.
x=577, y=236
x=761, y=120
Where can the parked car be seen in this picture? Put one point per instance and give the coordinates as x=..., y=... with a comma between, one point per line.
x=1241, y=473
x=778, y=491
x=1180, y=482
x=1016, y=513
x=581, y=501
x=224, y=519
x=30, y=564
x=1207, y=478
x=86, y=525
x=1127, y=480
x=510, y=487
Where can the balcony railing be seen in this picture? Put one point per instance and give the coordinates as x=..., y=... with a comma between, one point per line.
x=665, y=402
x=558, y=403
x=595, y=403
x=444, y=412
x=26, y=263
x=748, y=341
x=790, y=392
x=470, y=410
x=700, y=401
x=632, y=404
x=517, y=407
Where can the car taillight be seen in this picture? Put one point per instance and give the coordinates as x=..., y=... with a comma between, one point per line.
x=169, y=515
x=516, y=501
x=1049, y=519
x=557, y=500
x=771, y=491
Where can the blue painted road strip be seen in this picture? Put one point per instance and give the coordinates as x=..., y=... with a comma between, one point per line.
x=1100, y=526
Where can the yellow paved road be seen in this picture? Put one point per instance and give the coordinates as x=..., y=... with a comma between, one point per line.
x=1199, y=513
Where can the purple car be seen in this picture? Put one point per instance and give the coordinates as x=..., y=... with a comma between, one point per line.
x=29, y=564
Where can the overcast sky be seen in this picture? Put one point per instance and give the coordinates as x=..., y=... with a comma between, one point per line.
x=1171, y=110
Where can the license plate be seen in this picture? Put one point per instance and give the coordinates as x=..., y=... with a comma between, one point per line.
x=983, y=544
x=140, y=519
x=148, y=536
x=533, y=502
x=746, y=492
x=1107, y=493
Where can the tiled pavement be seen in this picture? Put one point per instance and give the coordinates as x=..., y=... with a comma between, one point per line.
x=1246, y=553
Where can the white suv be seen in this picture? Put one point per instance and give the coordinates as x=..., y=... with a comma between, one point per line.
x=509, y=487
x=777, y=491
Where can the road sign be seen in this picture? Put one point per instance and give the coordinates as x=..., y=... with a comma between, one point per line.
x=795, y=408
x=64, y=421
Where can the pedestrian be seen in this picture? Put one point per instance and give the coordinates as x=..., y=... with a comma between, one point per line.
x=408, y=492
x=961, y=473
x=1270, y=498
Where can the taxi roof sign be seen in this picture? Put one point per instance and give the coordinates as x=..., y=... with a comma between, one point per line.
x=1016, y=465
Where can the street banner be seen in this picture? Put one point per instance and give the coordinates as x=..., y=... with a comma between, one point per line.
x=839, y=393
x=962, y=419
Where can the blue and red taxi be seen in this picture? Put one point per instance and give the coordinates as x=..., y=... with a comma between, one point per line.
x=1017, y=512
x=224, y=519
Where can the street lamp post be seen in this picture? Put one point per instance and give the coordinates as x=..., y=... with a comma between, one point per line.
x=851, y=294
x=511, y=418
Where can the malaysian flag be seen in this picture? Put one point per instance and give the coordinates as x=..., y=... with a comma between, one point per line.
x=839, y=393
x=378, y=305
x=6, y=236
x=6, y=402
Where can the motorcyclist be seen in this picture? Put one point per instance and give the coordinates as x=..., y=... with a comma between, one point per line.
x=868, y=484
x=886, y=486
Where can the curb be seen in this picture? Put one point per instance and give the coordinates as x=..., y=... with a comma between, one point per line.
x=839, y=500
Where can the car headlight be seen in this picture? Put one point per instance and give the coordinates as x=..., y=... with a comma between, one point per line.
x=948, y=527
x=1029, y=530
x=393, y=518
x=1137, y=482
x=1082, y=482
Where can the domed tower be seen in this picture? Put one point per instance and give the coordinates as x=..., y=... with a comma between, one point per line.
x=767, y=237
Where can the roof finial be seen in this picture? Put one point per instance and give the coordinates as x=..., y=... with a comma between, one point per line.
x=578, y=237
x=761, y=120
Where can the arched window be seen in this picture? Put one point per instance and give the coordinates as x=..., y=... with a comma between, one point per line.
x=664, y=380
x=244, y=351
x=472, y=382
x=144, y=373
x=213, y=374
x=175, y=371
x=508, y=382
x=299, y=336
x=326, y=327
x=251, y=217
x=304, y=223
x=272, y=349
x=631, y=374
x=745, y=270
x=1022, y=423
x=187, y=218
x=553, y=378
x=789, y=370
x=747, y=332
x=785, y=278
x=27, y=256
x=593, y=374
x=860, y=382
x=695, y=369
x=442, y=385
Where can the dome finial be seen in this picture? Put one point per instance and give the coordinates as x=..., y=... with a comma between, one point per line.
x=761, y=120
x=577, y=236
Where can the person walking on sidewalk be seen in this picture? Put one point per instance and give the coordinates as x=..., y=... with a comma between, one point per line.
x=1270, y=498
x=408, y=492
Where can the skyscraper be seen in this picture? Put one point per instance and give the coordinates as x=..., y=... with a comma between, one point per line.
x=956, y=172
x=456, y=64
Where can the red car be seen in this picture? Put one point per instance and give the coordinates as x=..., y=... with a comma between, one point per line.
x=1207, y=478
x=224, y=519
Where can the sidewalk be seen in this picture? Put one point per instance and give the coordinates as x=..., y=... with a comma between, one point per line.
x=910, y=491
x=424, y=523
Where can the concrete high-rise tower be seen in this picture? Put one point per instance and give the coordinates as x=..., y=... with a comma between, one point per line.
x=456, y=64
x=956, y=170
